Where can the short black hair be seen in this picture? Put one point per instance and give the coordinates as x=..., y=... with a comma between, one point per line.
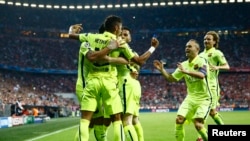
x=101, y=28
x=126, y=28
x=111, y=21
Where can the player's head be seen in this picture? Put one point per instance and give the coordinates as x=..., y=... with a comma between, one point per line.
x=211, y=39
x=101, y=28
x=113, y=24
x=134, y=70
x=126, y=34
x=192, y=48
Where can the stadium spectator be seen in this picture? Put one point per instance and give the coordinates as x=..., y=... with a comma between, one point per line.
x=35, y=111
x=19, y=107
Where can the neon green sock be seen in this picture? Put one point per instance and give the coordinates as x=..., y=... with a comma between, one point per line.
x=139, y=131
x=91, y=129
x=217, y=119
x=100, y=132
x=118, y=131
x=84, y=129
x=203, y=133
x=77, y=134
x=179, y=132
x=130, y=133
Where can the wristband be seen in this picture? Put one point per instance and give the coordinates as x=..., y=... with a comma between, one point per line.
x=151, y=49
x=70, y=30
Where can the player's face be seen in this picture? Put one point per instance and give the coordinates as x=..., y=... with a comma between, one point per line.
x=191, y=49
x=135, y=74
x=126, y=35
x=118, y=29
x=208, y=41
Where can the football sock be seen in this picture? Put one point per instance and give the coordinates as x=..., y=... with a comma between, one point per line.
x=77, y=134
x=179, y=132
x=203, y=134
x=90, y=129
x=139, y=131
x=130, y=133
x=118, y=131
x=217, y=119
x=84, y=129
x=100, y=132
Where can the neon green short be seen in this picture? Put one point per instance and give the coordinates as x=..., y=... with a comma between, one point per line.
x=102, y=89
x=215, y=98
x=130, y=92
x=191, y=109
x=79, y=94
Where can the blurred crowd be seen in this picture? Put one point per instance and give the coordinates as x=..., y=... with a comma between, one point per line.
x=40, y=89
x=28, y=40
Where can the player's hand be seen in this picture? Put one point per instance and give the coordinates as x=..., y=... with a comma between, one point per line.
x=179, y=65
x=75, y=29
x=158, y=65
x=113, y=44
x=154, y=42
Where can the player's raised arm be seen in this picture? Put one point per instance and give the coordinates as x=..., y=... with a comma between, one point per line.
x=140, y=60
x=73, y=32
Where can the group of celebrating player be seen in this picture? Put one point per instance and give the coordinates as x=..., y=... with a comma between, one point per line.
x=109, y=92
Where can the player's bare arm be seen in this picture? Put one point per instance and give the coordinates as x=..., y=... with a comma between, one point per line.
x=140, y=60
x=159, y=66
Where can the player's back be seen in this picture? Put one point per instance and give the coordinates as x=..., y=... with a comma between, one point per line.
x=103, y=69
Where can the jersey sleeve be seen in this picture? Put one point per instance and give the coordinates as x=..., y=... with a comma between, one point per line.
x=177, y=74
x=84, y=48
x=220, y=57
x=127, y=52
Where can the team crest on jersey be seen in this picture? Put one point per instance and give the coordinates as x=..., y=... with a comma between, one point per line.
x=87, y=45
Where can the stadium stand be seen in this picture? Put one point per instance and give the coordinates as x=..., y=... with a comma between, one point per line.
x=35, y=58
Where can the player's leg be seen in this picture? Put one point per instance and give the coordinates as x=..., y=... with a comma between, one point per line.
x=130, y=102
x=199, y=125
x=215, y=103
x=138, y=128
x=129, y=130
x=118, y=127
x=179, y=128
x=200, y=117
x=113, y=107
x=89, y=102
x=100, y=130
x=183, y=116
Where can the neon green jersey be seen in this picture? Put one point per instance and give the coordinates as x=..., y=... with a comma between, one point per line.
x=98, y=42
x=216, y=58
x=196, y=88
x=126, y=52
x=83, y=65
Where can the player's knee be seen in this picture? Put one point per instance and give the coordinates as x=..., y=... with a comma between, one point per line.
x=115, y=117
x=135, y=120
x=198, y=123
x=180, y=119
x=107, y=121
x=212, y=112
x=127, y=119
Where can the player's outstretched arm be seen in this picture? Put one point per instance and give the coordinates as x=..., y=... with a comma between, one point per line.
x=73, y=33
x=140, y=60
x=159, y=66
